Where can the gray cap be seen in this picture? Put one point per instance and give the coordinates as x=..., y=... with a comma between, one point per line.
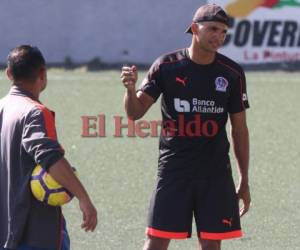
x=209, y=12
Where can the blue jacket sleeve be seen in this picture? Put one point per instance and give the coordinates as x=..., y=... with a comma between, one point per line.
x=39, y=137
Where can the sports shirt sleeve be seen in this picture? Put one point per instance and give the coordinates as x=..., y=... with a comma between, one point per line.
x=39, y=137
x=151, y=84
x=238, y=100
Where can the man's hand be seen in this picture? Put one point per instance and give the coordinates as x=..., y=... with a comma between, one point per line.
x=62, y=172
x=89, y=215
x=243, y=193
x=129, y=76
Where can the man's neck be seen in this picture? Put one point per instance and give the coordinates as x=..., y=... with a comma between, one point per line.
x=200, y=56
x=31, y=88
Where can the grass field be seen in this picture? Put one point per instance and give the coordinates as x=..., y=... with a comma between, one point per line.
x=119, y=173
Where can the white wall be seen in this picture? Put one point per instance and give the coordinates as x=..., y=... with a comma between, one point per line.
x=87, y=29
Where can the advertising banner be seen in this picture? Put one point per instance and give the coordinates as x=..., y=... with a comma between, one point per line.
x=262, y=31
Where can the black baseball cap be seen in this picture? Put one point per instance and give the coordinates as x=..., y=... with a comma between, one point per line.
x=209, y=12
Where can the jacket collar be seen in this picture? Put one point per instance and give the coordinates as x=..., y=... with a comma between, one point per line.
x=17, y=90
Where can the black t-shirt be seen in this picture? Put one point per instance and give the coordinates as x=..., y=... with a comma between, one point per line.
x=195, y=103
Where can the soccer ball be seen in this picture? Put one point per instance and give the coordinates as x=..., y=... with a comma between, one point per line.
x=44, y=188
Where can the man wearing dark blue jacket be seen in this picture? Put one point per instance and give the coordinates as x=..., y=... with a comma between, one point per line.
x=28, y=137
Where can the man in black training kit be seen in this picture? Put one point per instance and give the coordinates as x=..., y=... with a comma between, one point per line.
x=28, y=137
x=199, y=88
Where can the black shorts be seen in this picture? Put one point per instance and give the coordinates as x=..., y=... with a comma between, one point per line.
x=212, y=202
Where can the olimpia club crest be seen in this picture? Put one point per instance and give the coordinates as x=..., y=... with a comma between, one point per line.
x=221, y=84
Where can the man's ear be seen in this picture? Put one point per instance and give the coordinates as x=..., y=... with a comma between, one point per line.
x=194, y=28
x=9, y=74
x=42, y=73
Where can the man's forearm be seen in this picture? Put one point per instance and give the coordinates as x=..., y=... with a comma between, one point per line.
x=240, y=139
x=62, y=172
x=133, y=107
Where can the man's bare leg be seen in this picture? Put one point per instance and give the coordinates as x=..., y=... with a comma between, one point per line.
x=209, y=244
x=155, y=243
